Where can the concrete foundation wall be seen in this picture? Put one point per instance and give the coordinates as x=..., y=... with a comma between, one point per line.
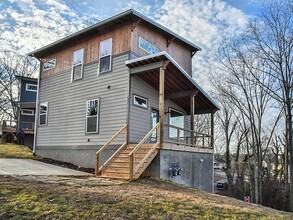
x=197, y=168
x=82, y=156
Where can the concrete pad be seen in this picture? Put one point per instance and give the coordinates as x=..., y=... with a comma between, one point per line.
x=23, y=167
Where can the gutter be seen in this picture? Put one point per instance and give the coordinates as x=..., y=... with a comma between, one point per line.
x=37, y=108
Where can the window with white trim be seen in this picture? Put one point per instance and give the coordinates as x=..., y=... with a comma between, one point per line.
x=105, y=55
x=92, y=116
x=140, y=101
x=43, y=114
x=31, y=87
x=77, y=67
x=176, y=118
x=29, y=112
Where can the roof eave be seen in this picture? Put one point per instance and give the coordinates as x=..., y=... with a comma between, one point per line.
x=164, y=53
x=115, y=17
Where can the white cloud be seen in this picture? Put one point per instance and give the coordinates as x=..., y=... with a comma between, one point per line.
x=206, y=23
x=33, y=24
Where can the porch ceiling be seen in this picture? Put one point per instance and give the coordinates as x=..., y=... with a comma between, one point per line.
x=179, y=86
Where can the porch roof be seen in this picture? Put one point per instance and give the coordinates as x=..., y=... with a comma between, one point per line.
x=179, y=86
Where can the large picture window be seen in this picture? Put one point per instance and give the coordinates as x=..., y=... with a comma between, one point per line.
x=105, y=55
x=177, y=119
x=43, y=114
x=77, y=68
x=92, y=116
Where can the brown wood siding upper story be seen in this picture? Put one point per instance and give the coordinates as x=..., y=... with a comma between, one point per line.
x=180, y=53
x=124, y=38
x=64, y=57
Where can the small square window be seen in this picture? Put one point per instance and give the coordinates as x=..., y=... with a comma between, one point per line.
x=140, y=101
x=27, y=112
x=31, y=87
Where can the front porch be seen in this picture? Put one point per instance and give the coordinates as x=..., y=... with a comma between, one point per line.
x=164, y=102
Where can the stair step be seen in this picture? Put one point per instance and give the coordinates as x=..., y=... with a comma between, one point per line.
x=117, y=169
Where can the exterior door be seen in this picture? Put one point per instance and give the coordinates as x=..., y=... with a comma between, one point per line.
x=154, y=121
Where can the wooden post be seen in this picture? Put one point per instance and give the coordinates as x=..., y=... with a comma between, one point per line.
x=192, y=120
x=178, y=135
x=161, y=105
x=212, y=130
x=97, y=164
x=131, y=167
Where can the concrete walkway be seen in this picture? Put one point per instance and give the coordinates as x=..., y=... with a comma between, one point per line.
x=23, y=167
x=32, y=170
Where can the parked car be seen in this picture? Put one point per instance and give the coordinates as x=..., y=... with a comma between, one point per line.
x=221, y=185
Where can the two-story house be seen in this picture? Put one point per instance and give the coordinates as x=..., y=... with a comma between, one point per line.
x=26, y=108
x=119, y=96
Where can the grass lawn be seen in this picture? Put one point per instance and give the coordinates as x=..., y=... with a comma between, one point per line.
x=143, y=199
x=15, y=151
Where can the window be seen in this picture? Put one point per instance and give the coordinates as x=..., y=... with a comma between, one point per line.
x=92, y=113
x=140, y=101
x=177, y=119
x=105, y=55
x=27, y=112
x=49, y=65
x=31, y=87
x=77, y=67
x=43, y=113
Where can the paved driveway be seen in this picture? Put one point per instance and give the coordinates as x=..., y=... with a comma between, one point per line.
x=22, y=167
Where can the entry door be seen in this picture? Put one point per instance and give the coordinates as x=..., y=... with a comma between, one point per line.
x=154, y=121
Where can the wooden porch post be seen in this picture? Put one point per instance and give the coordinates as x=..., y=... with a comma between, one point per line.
x=212, y=130
x=161, y=105
x=192, y=120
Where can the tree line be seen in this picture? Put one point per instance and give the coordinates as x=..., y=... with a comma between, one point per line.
x=255, y=123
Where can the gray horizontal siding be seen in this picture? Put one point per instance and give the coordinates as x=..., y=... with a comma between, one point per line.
x=140, y=119
x=67, y=105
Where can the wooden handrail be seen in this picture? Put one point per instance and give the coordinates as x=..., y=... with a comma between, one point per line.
x=97, y=168
x=131, y=154
x=144, y=139
x=197, y=135
x=8, y=127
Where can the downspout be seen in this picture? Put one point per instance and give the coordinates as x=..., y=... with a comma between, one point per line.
x=37, y=106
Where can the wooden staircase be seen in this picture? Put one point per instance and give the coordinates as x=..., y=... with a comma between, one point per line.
x=130, y=160
x=119, y=166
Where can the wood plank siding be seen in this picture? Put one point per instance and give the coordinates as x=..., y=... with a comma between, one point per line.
x=67, y=105
x=178, y=51
x=91, y=44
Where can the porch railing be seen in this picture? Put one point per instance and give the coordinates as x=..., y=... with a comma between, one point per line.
x=12, y=126
x=133, y=169
x=98, y=169
x=200, y=139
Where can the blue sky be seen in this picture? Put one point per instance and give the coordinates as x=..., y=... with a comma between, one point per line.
x=26, y=25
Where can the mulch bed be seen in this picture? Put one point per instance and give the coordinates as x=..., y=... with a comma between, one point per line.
x=65, y=164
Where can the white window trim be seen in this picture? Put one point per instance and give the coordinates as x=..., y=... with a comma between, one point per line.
x=109, y=39
x=45, y=104
x=77, y=65
x=30, y=114
x=31, y=90
x=138, y=96
x=98, y=117
x=172, y=109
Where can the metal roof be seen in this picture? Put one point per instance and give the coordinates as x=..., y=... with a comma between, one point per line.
x=116, y=19
x=178, y=78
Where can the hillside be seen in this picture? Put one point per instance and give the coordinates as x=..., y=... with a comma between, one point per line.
x=143, y=199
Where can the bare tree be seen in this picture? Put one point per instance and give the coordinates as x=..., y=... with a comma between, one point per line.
x=252, y=101
x=12, y=65
x=269, y=39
